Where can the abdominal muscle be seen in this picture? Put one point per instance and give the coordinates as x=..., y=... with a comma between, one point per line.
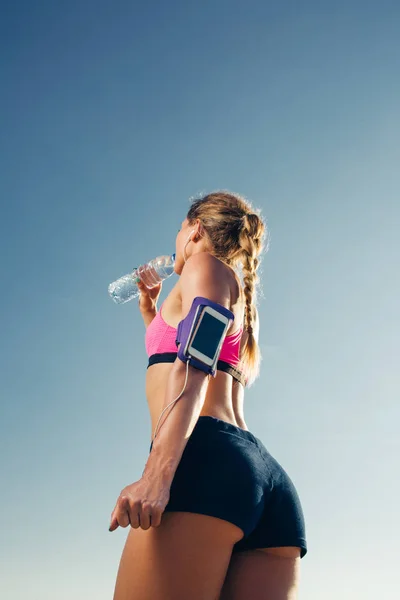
x=224, y=396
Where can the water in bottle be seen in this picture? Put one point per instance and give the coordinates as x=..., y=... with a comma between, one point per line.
x=125, y=288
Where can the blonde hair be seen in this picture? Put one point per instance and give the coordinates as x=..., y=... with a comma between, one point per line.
x=236, y=233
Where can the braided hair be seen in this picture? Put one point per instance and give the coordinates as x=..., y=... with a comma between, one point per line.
x=236, y=234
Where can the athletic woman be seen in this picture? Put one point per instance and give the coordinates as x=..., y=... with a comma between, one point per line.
x=214, y=515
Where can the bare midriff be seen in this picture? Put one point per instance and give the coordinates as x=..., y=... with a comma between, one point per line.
x=225, y=395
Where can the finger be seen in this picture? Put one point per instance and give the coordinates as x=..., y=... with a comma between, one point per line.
x=145, y=517
x=155, y=518
x=113, y=520
x=134, y=515
x=113, y=525
x=122, y=512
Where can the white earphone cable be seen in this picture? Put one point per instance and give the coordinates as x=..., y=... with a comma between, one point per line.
x=173, y=401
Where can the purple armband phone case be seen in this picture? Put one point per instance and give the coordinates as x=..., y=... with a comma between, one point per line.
x=187, y=326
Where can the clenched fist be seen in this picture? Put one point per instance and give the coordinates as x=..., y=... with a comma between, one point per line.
x=141, y=504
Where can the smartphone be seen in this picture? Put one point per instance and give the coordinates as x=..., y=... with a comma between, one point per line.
x=206, y=339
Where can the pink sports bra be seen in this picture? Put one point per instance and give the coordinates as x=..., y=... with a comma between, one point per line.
x=161, y=347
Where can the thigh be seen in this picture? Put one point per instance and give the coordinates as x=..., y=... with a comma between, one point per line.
x=187, y=556
x=268, y=574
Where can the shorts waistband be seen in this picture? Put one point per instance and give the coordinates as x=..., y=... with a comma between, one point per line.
x=208, y=422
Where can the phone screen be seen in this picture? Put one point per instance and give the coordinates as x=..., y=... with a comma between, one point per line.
x=208, y=335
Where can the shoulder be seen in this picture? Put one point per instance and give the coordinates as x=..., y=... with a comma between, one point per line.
x=203, y=262
x=204, y=275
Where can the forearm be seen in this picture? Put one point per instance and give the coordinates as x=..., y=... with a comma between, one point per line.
x=178, y=421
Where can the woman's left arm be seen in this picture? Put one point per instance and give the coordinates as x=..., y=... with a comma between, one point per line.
x=150, y=495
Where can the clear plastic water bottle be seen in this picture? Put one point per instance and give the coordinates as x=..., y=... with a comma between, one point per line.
x=125, y=288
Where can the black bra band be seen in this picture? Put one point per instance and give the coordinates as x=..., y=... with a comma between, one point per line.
x=170, y=357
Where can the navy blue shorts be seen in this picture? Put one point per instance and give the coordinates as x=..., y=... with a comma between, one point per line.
x=227, y=472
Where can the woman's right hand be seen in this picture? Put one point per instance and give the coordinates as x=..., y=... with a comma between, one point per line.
x=148, y=298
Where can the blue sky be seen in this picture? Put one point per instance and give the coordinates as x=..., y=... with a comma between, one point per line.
x=113, y=116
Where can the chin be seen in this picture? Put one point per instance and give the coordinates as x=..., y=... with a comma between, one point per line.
x=178, y=267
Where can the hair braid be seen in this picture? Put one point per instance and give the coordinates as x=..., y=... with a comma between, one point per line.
x=250, y=244
x=250, y=247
